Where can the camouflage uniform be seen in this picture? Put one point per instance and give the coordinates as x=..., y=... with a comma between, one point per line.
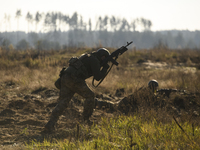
x=143, y=96
x=72, y=81
x=131, y=102
x=148, y=96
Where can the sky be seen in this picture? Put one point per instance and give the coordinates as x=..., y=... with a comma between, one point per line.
x=164, y=14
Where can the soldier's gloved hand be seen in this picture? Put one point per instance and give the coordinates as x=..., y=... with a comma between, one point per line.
x=106, y=66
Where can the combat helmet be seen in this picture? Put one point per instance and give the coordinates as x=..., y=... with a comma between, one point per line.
x=153, y=84
x=103, y=52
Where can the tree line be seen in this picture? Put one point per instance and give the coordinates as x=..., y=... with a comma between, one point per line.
x=62, y=31
x=52, y=21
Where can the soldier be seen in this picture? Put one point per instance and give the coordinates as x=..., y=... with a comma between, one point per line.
x=149, y=96
x=72, y=80
x=130, y=103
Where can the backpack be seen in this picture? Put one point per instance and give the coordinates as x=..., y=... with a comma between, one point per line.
x=81, y=70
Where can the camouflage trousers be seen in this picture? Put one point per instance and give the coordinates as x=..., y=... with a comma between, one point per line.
x=70, y=86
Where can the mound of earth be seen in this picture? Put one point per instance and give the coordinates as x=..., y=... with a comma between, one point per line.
x=22, y=116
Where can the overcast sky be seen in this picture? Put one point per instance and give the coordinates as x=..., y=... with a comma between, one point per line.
x=164, y=14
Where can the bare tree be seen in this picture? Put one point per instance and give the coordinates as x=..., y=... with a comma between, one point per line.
x=133, y=25
x=17, y=16
x=146, y=23
x=113, y=23
x=149, y=24
x=81, y=23
x=65, y=19
x=105, y=23
x=73, y=21
x=7, y=22
x=60, y=19
x=90, y=25
x=38, y=17
x=29, y=19
x=54, y=18
x=6, y=19
x=99, y=24
x=124, y=25
x=47, y=21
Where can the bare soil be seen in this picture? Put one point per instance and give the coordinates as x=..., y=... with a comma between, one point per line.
x=23, y=116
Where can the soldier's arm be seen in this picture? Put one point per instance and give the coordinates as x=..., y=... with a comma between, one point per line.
x=97, y=73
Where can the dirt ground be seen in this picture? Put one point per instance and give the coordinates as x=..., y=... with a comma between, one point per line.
x=23, y=116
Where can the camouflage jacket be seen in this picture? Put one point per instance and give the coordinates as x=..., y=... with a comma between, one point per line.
x=85, y=66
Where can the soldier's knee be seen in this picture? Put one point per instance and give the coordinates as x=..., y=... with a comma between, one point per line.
x=93, y=96
x=90, y=96
x=89, y=101
x=89, y=104
x=58, y=83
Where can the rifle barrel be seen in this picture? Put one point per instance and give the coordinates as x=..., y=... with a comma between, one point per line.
x=128, y=43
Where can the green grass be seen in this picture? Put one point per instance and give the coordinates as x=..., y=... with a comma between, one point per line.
x=126, y=132
x=32, y=70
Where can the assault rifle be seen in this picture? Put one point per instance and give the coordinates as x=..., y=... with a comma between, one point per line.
x=167, y=92
x=112, y=58
x=114, y=55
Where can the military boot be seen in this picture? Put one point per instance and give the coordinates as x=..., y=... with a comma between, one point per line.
x=49, y=127
x=86, y=115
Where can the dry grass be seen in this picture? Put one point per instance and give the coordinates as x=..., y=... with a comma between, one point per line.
x=31, y=70
x=41, y=68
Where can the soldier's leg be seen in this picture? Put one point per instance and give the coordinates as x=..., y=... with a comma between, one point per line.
x=89, y=103
x=65, y=96
x=88, y=108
